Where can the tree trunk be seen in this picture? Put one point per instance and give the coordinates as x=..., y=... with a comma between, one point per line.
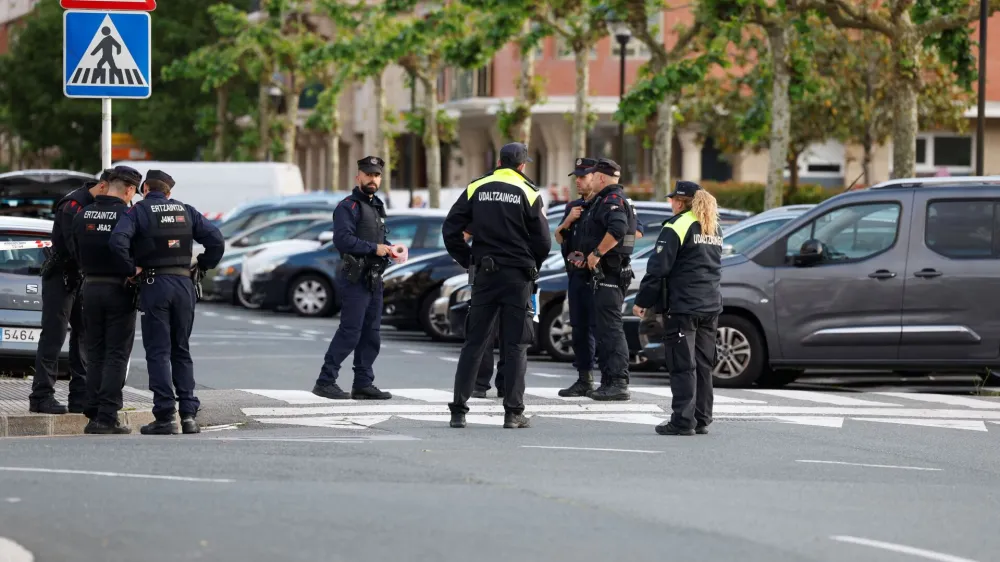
x=582, y=58
x=525, y=96
x=781, y=117
x=793, y=171
x=381, y=139
x=663, y=148
x=904, y=103
x=292, y=94
x=866, y=158
x=333, y=159
x=221, y=117
x=432, y=141
x=264, y=118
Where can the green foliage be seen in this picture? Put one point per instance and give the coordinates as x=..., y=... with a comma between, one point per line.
x=447, y=125
x=750, y=196
x=954, y=46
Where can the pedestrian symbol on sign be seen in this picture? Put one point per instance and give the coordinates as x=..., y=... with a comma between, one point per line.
x=98, y=65
x=107, y=55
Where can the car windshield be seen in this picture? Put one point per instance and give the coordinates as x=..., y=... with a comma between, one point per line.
x=747, y=237
x=26, y=261
x=231, y=227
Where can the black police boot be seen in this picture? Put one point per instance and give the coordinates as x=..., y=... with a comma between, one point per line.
x=616, y=390
x=667, y=428
x=189, y=425
x=701, y=429
x=479, y=394
x=160, y=427
x=515, y=421
x=75, y=405
x=457, y=420
x=103, y=427
x=47, y=406
x=370, y=393
x=581, y=387
x=331, y=391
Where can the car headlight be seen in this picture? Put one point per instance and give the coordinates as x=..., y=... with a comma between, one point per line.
x=464, y=294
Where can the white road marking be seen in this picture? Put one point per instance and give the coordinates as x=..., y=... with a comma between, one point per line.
x=865, y=465
x=665, y=392
x=295, y=396
x=449, y=359
x=549, y=376
x=469, y=419
x=971, y=425
x=10, y=551
x=342, y=439
x=821, y=398
x=283, y=327
x=342, y=422
x=314, y=332
x=944, y=399
x=592, y=449
x=638, y=419
x=902, y=549
x=209, y=313
x=235, y=318
x=749, y=410
x=412, y=351
x=12, y=500
x=368, y=409
x=818, y=421
x=226, y=427
x=429, y=395
x=259, y=322
x=115, y=474
x=553, y=394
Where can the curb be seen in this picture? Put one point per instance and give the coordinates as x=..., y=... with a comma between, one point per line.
x=36, y=425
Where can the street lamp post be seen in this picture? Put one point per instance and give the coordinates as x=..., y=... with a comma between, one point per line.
x=623, y=35
x=411, y=166
x=981, y=113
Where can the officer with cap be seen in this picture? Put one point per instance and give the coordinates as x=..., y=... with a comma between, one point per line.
x=503, y=211
x=108, y=302
x=608, y=235
x=359, y=233
x=154, y=239
x=581, y=293
x=61, y=306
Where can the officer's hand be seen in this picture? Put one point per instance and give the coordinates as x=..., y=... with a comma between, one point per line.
x=592, y=261
x=383, y=250
x=138, y=270
x=574, y=214
x=638, y=235
x=638, y=311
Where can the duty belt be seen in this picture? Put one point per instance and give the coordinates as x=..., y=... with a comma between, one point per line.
x=186, y=272
x=105, y=279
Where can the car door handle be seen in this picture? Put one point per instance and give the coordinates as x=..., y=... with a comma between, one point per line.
x=882, y=274
x=928, y=273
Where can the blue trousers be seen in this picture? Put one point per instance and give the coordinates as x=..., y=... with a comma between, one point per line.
x=583, y=320
x=167, y=311
x=360, y=332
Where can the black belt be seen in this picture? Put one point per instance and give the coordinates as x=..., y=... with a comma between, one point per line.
x=186, y=272
x=105, y=279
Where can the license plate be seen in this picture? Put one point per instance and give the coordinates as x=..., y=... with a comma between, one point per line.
x=20, y=335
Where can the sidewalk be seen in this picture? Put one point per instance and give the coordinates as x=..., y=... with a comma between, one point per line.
x=218, y=407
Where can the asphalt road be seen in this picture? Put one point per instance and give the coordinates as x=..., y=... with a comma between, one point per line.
x=837, y=468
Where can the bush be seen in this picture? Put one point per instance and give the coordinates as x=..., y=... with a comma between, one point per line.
x=746, y=196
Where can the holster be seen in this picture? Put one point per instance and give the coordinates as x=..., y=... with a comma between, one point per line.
x=596, y=277
x=197, y=274
x=353, y=268
x=373, y=272
x=133, y=286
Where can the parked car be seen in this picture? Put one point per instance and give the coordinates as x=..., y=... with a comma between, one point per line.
x=34, y=193
x=305, y=280
x=900, y=276
x=249, y=215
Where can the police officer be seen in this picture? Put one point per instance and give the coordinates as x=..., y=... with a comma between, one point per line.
x=159, y=232
x=486, y=371
x=108, y=302
x=608, y=239
x=359, y=233
x=503, y=211
x=60, y=306
x=682, y=279
x=580, y=294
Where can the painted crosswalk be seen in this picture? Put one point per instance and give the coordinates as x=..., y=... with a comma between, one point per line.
x=649, y=405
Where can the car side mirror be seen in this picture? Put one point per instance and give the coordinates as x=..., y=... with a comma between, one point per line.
x=326, y=236
x=727, y=249
x=811, y=253
x=245, y=241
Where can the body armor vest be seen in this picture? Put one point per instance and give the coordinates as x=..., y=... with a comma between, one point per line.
x=93, y=232
x=593, y=233
x=371, y=222
x=168, y=241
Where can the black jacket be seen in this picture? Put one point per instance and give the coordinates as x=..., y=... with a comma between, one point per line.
x=610, y=213
x=691, y=264
x=62, y=225
x=503, y=212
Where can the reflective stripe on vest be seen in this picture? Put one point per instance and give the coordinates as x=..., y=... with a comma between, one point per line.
x=682, y=225
x=504, y=175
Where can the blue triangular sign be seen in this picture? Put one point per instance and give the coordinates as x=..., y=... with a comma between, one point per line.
x=107, y=55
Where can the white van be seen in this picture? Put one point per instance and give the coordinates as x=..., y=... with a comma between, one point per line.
x=217, y=187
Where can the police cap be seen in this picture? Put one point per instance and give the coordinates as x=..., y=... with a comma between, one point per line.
x=607, y=167
x=514, y=154
x=131, y=176
x=160, y=175
x=583, y=166
x=684, y=189
x=371, y=165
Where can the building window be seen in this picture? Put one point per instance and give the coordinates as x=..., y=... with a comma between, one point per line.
x=822, y=160
x=636, y=48
x=470, y=83
x=949, y=152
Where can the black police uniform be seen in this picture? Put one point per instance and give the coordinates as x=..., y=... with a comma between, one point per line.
x=358, y=229
x=108, y=305
x=61, y=306
x=157, y=235
x=687, y=266
x=581, y=293
x=611, y=213
x=503, y=211
x=486, y=370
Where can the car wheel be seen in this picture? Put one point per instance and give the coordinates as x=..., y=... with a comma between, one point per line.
x=740, y=354
x=438, y=330
x=311, y=295
x=556, y=334
x=777, y=378
x=243, y=299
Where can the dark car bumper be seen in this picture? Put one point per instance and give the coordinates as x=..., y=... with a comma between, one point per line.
x=399, y=308
x=269, y=291
x=221, y=288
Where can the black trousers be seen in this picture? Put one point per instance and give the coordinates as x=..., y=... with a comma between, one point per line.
x=109, y=317
x=690, y=346
x=60, y=308
x=167, y=319
x=503, y=296
x=486, y=366
x=613, y=354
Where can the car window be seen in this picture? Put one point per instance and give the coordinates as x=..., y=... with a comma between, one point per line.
x=403, y=232
x=313, y=232
x=275, y=232
x=433, y=236
x=851, y=233
x=231, y=227
x=747, y=237
x=22, y=262
x=961, y=229
x=266, y=216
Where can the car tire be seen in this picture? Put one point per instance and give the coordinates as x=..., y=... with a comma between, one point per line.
x=312, y=296
x=427, y=323
x=741, y=354
x=778, y=378
x=242, y=299
x=552, y=324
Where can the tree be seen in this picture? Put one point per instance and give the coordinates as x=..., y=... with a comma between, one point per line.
x=661, y=80
x=915, y=30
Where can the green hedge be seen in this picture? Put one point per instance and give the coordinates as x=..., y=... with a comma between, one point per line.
x=746, y=196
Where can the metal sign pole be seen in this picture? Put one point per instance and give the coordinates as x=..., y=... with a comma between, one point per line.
x=105, y=133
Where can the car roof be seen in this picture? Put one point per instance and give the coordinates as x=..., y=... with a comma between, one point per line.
x=939, y=182
x=280, y=220
x=24, y=223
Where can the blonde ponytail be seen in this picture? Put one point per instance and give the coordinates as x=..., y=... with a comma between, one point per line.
x=706, y=209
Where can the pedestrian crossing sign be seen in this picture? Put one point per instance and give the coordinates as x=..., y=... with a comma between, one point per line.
x=107, y=54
